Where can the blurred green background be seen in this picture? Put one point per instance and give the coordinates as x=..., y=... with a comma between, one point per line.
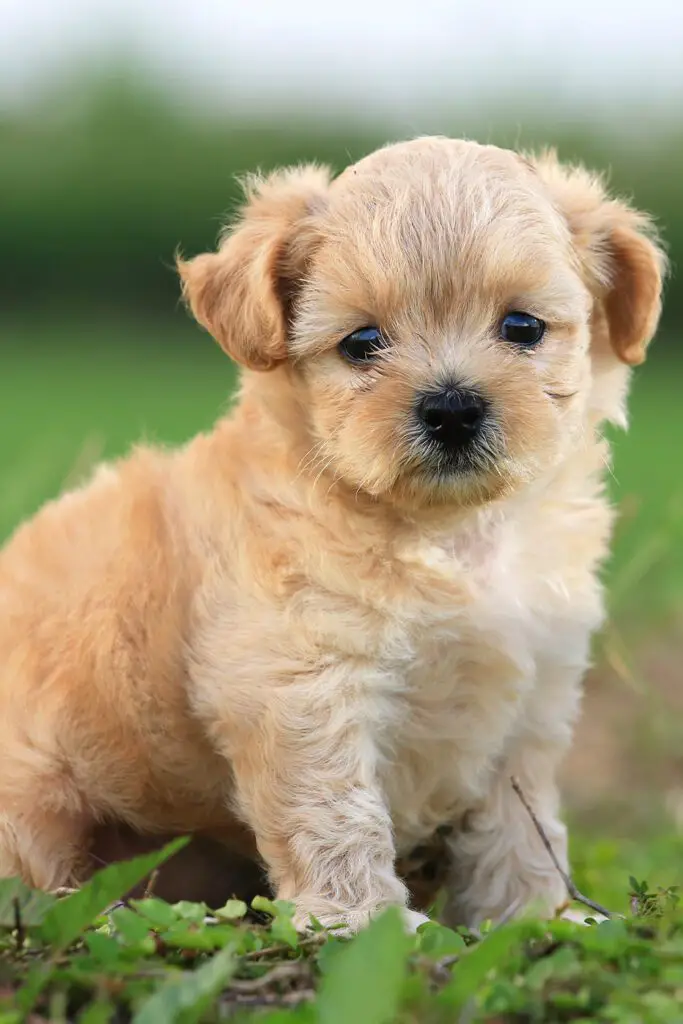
x=104, y=173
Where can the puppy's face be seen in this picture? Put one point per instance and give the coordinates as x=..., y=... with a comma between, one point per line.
x=439, y=312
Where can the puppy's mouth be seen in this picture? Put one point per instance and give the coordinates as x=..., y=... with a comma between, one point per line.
x=480, y=457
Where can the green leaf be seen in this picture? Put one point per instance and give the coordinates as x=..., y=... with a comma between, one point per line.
x=283, y=930
x=185, y=999
x=68, y=918
x=436, y=941
x=364, y=981
x=132, y=928
x=103, y=948
x=33, y=904
x=195, y=912
x=232, y=911
x=157, y=913
x=186, y=936
x=36, y=979
x=264, y=905
x=471, y=970
x=282, y=912
x=303, y=1014
x=97, y=1013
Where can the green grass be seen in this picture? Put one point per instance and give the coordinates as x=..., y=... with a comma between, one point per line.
x=89, y=957
x=72, y=394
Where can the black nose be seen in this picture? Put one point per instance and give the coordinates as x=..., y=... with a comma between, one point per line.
x=452, y=417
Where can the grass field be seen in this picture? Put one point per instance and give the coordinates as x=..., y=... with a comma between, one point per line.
x=73, y=393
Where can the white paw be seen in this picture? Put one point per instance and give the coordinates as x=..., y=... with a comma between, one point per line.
x=412, y=920
x=342, y=924
x=352, y=922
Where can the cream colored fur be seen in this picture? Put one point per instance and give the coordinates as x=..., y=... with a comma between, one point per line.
x=289, y=623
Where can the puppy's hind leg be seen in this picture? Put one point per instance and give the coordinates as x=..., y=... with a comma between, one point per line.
x=46, y=851
x=44, y=830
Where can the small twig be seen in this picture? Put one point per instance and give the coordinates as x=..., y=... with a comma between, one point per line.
x=507, y=915
x=20, y=934
x=312, y=940
x=441, y=969
x=288, y=999
x=283, y=972
x=572, y=891
x=151, y=884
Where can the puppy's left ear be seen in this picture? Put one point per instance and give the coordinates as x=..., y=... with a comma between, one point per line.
x=620, y=256
x=243, y=294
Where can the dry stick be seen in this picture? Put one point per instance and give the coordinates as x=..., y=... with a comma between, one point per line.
x=151, y=884
x=20, y=934
x=295, y=970
x=572, y=891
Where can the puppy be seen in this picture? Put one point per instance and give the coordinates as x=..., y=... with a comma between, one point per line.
x=344, y=618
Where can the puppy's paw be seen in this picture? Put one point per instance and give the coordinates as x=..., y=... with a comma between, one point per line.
x=344, y=924
x=352, y=921
x=412, y=919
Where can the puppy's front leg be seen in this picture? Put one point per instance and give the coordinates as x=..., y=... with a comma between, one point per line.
x=499, y=862
x=306, y=782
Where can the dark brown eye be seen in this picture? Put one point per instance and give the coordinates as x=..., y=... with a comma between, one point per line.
x=522, y=329
x=363, y=345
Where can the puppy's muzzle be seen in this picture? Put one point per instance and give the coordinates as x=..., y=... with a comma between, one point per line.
x=451, y=418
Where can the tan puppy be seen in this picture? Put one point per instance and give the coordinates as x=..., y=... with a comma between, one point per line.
x=347, y=615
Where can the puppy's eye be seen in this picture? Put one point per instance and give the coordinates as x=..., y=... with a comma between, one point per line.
x=363, y=345
x=522, y=329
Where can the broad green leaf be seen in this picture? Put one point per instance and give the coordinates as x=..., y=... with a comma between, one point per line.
x=208, y=938
x=364, y=981
x=232, y=910
x=328, y=952
x=130, y=926
x=33, y=904
x=284, y=908
x=103, y=948
x=436, y=941
x=158, y=913
x=264, y=905
x=68, y=918
x=195, y=912
x=471, y=970
x=184, y=1000
x=282, y=912
x=283, y=930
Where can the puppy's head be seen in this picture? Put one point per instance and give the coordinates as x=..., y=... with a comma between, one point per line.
x=447, y=318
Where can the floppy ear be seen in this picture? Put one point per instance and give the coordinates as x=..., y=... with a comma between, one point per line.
x=243, y=293
x=621, y=259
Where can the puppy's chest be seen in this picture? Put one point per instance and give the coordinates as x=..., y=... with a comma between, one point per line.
x=472, y=640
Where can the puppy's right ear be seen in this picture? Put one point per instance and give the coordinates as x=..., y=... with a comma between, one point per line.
x=243, y=293
x=618, y=251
